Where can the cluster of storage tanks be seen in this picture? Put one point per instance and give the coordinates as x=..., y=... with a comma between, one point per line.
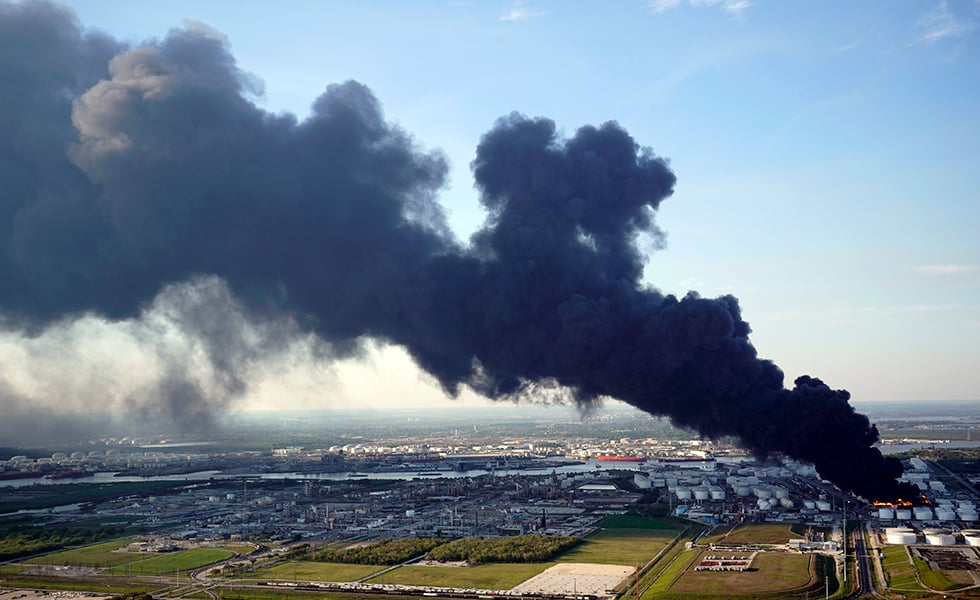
x=701, y=492
x=934, y=537
x=767, y=496
x=945, y=510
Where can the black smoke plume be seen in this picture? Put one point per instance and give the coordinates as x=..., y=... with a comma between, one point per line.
x=127, y=170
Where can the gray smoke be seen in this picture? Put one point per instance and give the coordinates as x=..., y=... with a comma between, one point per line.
x=145, y=168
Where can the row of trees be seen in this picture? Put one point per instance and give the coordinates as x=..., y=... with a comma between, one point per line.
x=20, y=541
x=385, y=552
x=516, y=549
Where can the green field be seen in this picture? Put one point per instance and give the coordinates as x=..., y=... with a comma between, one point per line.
x=172, y=562
x=635, y=522
x=773, y=573
x=624, y=541
x=75, y=585
x=679, y=560
x=502, y=576
x=239, y=548
x=96, y=555
x=899, y=570
x=315, y=571
x=756, y=533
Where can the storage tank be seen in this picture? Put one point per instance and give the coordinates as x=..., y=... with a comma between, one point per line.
x=967, y=514
x=717, y=494
x=683, y=493
x=809, y=504
x=945, y=514
x=903, y=514
x=922, y=513
x=743, y=490
x=823, y=505
x=700, y=494
x=786, y=502
x=939, y=538
x=900, y=536
x=971, y=536
x=781, y=493
x=762, y=492
x=886, y=513
x=763, y=504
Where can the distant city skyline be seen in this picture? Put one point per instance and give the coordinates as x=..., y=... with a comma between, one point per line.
x=826, y=158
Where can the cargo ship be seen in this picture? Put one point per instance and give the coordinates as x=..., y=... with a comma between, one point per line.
x=617, y=458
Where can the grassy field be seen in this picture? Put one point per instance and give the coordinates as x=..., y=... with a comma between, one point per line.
x=678, y=562
x=898, y=570
x=937, y=580
x=755, y=533
x=775, y=573
x=239, y=548
x=315, y=571
x=11, y=569
x=635, y=522
x=162, y=564
x=500, y=576
x=253, y=594
x=59, y=583
x=96, y=555
x=624, y=541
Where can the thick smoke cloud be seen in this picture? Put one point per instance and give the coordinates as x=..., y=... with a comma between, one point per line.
x=128, y=170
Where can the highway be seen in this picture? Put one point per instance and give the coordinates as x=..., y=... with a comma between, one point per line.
x=865, y=584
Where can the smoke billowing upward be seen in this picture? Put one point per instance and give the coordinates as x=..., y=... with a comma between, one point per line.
x=128, y=170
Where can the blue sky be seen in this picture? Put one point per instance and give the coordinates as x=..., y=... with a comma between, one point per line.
x=827, y=153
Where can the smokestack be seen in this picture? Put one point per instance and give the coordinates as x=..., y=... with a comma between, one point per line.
x=128, y=170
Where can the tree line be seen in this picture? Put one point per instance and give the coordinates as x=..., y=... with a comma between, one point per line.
x=385, y=552
x=20, y=541
x=516, y=549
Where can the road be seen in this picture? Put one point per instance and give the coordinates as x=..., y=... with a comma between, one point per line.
x=863, y=565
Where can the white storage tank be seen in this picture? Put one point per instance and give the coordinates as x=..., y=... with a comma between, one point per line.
x=786, y=502
x=971, y=536
x=900, y=535
x=781, y=493
x=763, y=504
x=886, y=513
x=922, y=513
x=700, y=494
x=903, y=514
x=939, y=538
x=743, y=490
x=945, y=514
x=762, y=492
x=967, y=514
x=717, y=493
x=809, y=504
x=823, y=505
x=683, y=493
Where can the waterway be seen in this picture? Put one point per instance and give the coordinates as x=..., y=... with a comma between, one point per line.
x=927, y=445
x=589, y=466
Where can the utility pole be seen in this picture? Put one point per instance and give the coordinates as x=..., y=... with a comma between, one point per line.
x=844, y=540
